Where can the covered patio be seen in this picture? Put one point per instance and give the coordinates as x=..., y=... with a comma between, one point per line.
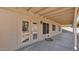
x=28, y=27
x=66, y=41
x=62, y=42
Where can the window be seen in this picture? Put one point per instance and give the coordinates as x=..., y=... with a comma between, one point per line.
x=59, y=28
x=25, y=26
x=45, y=28
x=34, y=27
x=78, y=24
x=53, y=27
x=35, y=36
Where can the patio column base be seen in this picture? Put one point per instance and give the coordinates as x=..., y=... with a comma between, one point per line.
x=75, y=48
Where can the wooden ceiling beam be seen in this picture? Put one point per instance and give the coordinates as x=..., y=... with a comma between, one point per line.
x=47, y=10
x=43, y=8
x=63, y=12
x=62, y=22
x=50, y=11
x=56, y=11
x=60, y=14
x=29, y=8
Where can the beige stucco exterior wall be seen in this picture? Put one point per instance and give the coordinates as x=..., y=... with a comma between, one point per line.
x=11, y=35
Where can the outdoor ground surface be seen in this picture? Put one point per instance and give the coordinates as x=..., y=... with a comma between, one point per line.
x=62, y=42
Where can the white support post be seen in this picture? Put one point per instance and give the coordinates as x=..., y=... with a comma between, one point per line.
x=75, y=29
x=75, y=39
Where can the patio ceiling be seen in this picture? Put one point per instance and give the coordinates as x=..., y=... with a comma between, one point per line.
x=62, y=15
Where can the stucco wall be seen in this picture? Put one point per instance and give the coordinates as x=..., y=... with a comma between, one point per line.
x=10, y=28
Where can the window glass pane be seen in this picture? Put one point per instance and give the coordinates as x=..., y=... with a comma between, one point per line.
x=59, y=28
x=25, y=26
x=45, y=28
x=53, y=27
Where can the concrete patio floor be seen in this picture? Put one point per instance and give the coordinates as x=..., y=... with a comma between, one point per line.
x=62, y=42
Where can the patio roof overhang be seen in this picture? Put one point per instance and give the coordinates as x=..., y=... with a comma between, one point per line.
x=61, y=15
